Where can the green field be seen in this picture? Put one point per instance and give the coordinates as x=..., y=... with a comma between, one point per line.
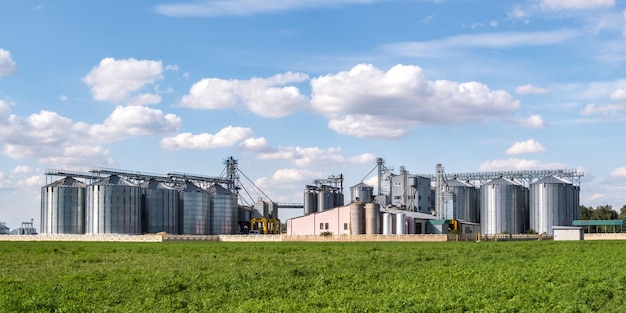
x=536, y=276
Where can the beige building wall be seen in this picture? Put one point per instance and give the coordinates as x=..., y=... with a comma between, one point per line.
x=336, y=221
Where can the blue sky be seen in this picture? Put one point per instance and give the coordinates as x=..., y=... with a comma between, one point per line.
x=303, y=89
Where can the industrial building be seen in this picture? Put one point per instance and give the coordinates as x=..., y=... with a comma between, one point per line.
x=490, y=203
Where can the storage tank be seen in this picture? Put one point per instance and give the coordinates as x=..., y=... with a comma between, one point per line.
x=386, y=223
x=223, y=211
x=337, y=199
x=260, y=209
x=503, y=207
x=400, y=224
x=372, y=212
x=194, y=207
x=113, y=206
x=160, y=207
x=361, y=192
x=326, y=200
x=357, y=218
x=310, y=201
x=63, y=207
x=466, y=200
x=553, y=202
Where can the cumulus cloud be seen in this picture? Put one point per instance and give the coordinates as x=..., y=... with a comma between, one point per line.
x=314, y=156
x=7, y=65
x=519, y=165
x=214, y=8
x=226, y=137
x=268, y=97
x=619, y=94
x=367, y=101
x=619, y=172
x=32, y=182
x=78, y=156
x=576, y=4
x=117, y=80
x=533, y=121
x=21, y=169
x=255, y=145
x=522, y=147
x=135, y=121
x=530, y=89
x=287, y=183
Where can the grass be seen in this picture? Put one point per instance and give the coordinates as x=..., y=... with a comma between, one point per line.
x=537, y=276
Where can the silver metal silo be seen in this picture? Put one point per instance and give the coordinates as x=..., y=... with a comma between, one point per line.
x=400, y=224
x=466, y=200
x=63, y=207
x=224, y=213
x=361, y=192
x=503, y=207
x=193, y=210
x=160, y=207
x=310, y=201
x=553, y=202
x=113, y=207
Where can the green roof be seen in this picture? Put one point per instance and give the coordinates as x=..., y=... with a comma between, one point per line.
x=438, y=222
x=598, y=222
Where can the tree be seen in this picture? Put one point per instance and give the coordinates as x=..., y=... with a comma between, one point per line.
x=604, y=212
x=585, y=212
x=622, y=213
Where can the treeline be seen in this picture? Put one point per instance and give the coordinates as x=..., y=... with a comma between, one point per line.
x=602, y=212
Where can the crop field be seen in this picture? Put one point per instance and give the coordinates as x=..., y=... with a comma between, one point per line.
x=536, y=276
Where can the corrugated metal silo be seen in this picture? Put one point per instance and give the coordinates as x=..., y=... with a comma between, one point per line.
x=113, y=207
x=503, y=207
x=361, y=192
x=63, y=207
x=401, y=224
x=193, y=210
x=386, y=223
x=310, y=201
x=160, y=205
x=372, y=213
x=325, y=200
x=466, y=200
x=553, y=202
x=223, y=211
x=260, y=209
x=357, y=218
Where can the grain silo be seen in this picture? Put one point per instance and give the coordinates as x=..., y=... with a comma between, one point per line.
x=160, y=207
x=224, y=213
x=63, y=207
x=310, y=201
x=372, y=218
x=553, y=202
x=113, y=206
x=357, y=218
x=325, y=200
x=361, y=192
x=466, y=200
x=503, y=207
x=194, y=207
x=400, y=223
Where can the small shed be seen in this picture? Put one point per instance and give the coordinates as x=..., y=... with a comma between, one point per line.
x=437, y=227
x=568, y=233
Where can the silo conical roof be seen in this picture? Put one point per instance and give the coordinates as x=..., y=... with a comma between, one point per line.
x=502, y=181
x=114, y=180
x=67, y=182
x=458, y=183
x=552, y=180
x=219, y=190
x=155, y=184
x=191, y=187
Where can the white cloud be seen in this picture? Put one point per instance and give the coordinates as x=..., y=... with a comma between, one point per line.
x=576, y=4
x=619, y=172
x=135, y=121
x=519, y=165
x=502, y=40
x=266, y=97
x=530, y=89
x=214, y=8
x=116, y=80
x=619, y=94
x=534, y=121
x=7, y=65
x=608, y=111
x=522, y=147
x=21, y=169
x=226, y=137
x=32, y=182
x=314, y=156
x=255, y=145
x=369, y=102
x=287, y=184
x=63, y=98
x=78, y=156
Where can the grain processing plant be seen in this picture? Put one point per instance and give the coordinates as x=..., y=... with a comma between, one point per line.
x=505, y=202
